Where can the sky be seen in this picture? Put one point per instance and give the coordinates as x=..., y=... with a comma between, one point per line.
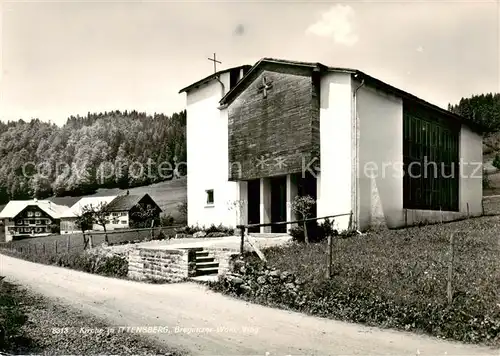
x=73, y=57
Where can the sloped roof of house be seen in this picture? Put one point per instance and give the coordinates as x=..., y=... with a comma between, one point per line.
x=316, y=66
x=211, y=77
x=14, y=207
x=77, y=208
x=125, y=202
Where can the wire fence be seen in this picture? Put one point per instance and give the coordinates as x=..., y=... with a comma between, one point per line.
x=72, y=243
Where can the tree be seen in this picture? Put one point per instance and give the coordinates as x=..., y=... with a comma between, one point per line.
x=303, y=206
x=100, y=215
x=182, y=208
x=84, y=222
x=145, y=216
x=496, y=161
x=97, y=151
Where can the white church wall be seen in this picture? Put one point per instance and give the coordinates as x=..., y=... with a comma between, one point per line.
x=381, y=153
x=207, y=154
x=471, y=179
x=380, y=145
x=334, y=185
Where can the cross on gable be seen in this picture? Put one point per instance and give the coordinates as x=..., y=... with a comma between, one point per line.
x=215, y=62
x=265, y=86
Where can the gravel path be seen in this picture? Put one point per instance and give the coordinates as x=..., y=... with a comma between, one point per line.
x=206, y=323
x=54, y=329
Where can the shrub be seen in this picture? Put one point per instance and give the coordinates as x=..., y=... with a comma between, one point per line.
x=55, y=229
x=167, y=220
x=303, y=206
x=96, y=261
x=486, y=180
x=211, y=231
x=188, y=230
x=317, y=232
x=182, y=208
x=217, y=234
x=220, y=229
x=496, y=161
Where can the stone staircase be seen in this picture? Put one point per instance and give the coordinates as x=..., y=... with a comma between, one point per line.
x=206, y=264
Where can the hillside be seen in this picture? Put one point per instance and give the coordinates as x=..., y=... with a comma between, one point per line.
x=103, y=150
x=168, y=195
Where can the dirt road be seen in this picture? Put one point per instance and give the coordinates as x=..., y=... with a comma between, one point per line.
x=206, y=323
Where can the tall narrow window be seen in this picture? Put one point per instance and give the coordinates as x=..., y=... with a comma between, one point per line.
x=431, y=162
x=210, y=197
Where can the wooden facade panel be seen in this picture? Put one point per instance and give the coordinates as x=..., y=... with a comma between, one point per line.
x=431, y=160
x=272, y=133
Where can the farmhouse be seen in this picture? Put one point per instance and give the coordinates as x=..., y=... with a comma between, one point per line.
x=31, y=218
x=125, y=211
x=133, y=209
x=259, y=136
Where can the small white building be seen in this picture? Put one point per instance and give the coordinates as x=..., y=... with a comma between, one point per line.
x=257, y=136
x=70, y=215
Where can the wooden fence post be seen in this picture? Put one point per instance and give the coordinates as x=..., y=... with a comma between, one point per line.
x=242, y=242
x=55, y=243
x=44, y=248
x=449, y=288
x=68, y=243
x=467, y=210
x=329, y=258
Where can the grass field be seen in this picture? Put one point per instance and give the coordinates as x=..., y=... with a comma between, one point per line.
x=57, y=244
x=396, y=279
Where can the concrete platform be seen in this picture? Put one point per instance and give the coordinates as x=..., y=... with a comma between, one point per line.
x=228, y=242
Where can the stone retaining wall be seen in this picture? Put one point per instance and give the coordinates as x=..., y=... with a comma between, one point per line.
x=172, y=265
x=224, y=256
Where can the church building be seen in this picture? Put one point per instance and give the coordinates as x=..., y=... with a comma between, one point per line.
x=258, y=136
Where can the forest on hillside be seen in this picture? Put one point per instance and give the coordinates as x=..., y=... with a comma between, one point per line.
x=485, y=110
x=104, y=150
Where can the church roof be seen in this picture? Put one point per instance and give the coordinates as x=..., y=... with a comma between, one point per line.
x=211, y=77
x=374, y=82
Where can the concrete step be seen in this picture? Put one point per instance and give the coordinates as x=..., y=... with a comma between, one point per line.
x=207, y=271
x=206, y=264
x=197, y=249
x=201, y=253
x=208, y=278
x=204, y=259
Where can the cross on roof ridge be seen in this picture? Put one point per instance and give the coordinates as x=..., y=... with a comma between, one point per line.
x=215, y=62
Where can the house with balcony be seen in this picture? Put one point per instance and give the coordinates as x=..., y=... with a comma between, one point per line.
x=31, y=218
